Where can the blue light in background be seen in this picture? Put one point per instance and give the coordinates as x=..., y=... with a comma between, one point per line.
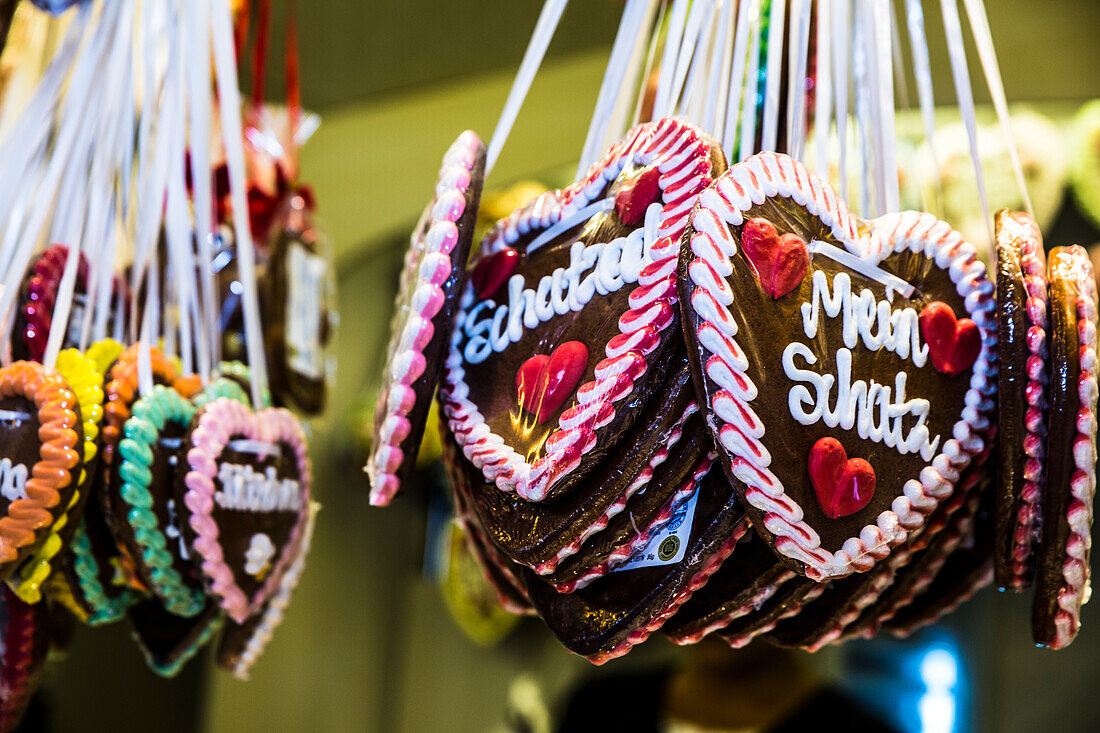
x=939, y=671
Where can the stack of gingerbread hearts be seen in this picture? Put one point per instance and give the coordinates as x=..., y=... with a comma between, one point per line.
x=704, y=401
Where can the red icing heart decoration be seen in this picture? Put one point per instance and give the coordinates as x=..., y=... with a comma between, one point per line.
x=634, y=198
x=491, y=272
x=780, y=261
x=953, y=344
x=843, y=485
x=543, y=383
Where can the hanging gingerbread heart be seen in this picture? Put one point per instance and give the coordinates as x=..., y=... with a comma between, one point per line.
x=85, y=381
x=41, y=437
x=428, y=290
x=24, y=644
x=32, y=327
x=168, y=641
x=848, y=367
x=122, y=392
x=245, y=499
x=569, y=317
x=149, y=458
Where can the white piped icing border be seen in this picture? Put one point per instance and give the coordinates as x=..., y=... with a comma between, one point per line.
x=642, y=537
x=681, y=153
x=747, y=184
x=1075, y=570
x=406, y=364
x=641, y=481
x=276, y=607
x=1025, y=233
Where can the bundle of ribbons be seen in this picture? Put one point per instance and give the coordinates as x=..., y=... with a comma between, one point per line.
x=161, y=265
x=692, y=392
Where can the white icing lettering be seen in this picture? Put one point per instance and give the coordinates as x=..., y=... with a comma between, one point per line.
x=242, y=489
x=855, y=403
x=594, y=269
x=13, y=480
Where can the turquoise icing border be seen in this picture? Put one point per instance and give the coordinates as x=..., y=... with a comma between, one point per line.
x=173, y=668
x=105, y=610
x=234, y=370
x=149, y=416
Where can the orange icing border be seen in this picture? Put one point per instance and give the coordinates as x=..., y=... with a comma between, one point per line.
x=58, y=415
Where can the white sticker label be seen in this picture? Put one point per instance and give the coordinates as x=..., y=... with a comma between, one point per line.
x=668, y=546
x=306, y=282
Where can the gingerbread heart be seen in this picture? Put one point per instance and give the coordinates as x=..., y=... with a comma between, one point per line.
x=168, y=641
x=845, y=354
x=245, y=500
x=24, y=644
x=149, y=459
x=596, y=265
x=42, y=437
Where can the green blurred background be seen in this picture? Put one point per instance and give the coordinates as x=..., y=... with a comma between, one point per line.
x=367, y=644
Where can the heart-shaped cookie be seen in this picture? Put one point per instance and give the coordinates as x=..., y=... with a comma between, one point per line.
x=42, y=438
x=596, y=265
x=885, y=345
x=425, y=310
x=168, y=641
x=35, y=315
x=150, y=457
x=245, y=499
x=86, y=383
x=24, y=644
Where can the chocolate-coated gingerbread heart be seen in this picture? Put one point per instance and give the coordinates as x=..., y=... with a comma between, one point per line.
x=245, y=500
x=596, y=265
x=883, y=346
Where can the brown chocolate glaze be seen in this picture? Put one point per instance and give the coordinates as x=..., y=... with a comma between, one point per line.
x=789, y=597
x=492, y=382
x=295, y=229
x=531, y=533
x=1061, y=434
x=776, y=323
x=169, y=458
x=597, y=619
x=824, y=614
x=1012, y=381
x=104, y=553
x=960, y=576
x=641, y=508
x=165, y=640
x=752, y=568
x=435, y=353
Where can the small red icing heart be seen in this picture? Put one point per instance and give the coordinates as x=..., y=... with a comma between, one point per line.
x=780, y=261
x=544, y=383
x=953, y=344
x=634, y=198
x=843, y=485
x=493, y=271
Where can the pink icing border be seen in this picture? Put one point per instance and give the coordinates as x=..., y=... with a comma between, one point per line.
x=397, y=398
x=641, y=481
x=698, y=580
x=220, y=420
x=960, y=598
x=1034, y=271
x=641, y=539
x=772, y=174
x=1075, y=569
x=753, y=604
x=740, y=642
x=682, y=154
